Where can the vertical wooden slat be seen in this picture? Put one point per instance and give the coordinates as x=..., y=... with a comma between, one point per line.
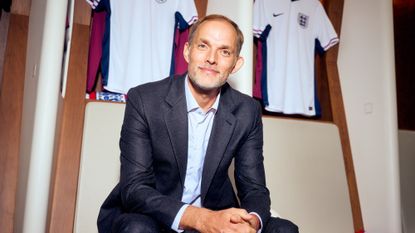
x=66, y=168
x=4, y=28
x=335, y=12
x=11, y=104
x=201, y=6
x=323, y=92
x=82, y=13
x=21, y=7
x=404, y=19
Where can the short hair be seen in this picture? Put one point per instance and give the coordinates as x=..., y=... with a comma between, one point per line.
x=215, y=17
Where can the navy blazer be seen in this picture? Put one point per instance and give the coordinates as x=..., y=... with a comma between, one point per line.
x=153, y=144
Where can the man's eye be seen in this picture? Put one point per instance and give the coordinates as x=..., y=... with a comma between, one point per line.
x=201, y=46
x=226, y=53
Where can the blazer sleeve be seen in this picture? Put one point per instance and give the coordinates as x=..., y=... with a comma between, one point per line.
x=249, y=171
x=137, y=182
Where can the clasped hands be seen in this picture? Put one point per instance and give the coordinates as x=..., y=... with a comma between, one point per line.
x=231, y=220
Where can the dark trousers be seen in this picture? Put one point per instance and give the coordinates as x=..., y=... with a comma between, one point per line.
x=138, y=223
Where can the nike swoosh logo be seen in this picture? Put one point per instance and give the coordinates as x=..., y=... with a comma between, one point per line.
x=276, y=15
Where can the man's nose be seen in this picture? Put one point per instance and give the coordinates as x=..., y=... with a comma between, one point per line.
x=211, y=57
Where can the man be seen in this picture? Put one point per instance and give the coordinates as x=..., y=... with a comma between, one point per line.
x=178, y=140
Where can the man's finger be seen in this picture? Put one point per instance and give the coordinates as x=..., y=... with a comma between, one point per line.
x=247, y=217
x=236, y=219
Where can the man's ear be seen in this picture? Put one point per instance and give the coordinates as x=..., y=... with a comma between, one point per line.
x=238, y=64
x=186, y=51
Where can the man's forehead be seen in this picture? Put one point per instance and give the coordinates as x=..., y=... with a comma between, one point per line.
x=217, y=21
x=223, y=29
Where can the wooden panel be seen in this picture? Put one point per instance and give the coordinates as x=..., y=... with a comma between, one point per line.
x=323, y=93
x=82, y=12
x=21, y=7
x=335, y=11
x=404, y=3
x=201, y=6
x=4, y=28
x=404, y=20
x=66, y=168
x=11, y=104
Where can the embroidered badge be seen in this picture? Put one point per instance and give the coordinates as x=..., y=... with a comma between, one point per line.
x=303, y=20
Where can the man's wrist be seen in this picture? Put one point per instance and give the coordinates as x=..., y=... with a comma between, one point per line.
x=176, y=222
x=193, y=218
x=256, y=221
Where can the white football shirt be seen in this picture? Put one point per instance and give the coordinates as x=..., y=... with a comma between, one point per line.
x=290, y=55
x=141, y=40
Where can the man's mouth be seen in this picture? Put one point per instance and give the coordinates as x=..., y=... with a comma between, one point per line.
x=208, y=70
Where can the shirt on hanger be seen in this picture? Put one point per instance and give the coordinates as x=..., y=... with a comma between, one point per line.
x=295, y=25
x=140, y=40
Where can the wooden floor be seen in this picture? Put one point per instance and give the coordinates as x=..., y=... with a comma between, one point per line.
x=11, y=100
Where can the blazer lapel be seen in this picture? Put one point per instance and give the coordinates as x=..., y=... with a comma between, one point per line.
x=176, y=123
x=222, y=130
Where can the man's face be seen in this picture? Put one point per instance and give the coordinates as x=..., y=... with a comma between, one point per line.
x=212, y=55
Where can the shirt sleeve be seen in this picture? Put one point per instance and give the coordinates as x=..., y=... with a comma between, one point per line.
x=187, y=9
x=179, y=215
x=325, y=32
x=259, y=17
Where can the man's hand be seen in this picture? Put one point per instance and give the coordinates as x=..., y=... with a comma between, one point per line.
x=223, y=221
x=252, y=219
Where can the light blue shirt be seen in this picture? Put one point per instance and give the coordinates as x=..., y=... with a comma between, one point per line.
x=199, y=129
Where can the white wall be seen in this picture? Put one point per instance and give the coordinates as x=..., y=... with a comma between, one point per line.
x=366, y=66
x=241, y=13
x=41, y=95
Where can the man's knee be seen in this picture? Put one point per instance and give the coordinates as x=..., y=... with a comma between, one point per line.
x=280, y=225
x=134, y=223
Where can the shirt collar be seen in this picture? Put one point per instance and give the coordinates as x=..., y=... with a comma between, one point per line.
x=191, y=101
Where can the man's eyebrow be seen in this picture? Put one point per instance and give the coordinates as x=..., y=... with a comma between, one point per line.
x=205, y=41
